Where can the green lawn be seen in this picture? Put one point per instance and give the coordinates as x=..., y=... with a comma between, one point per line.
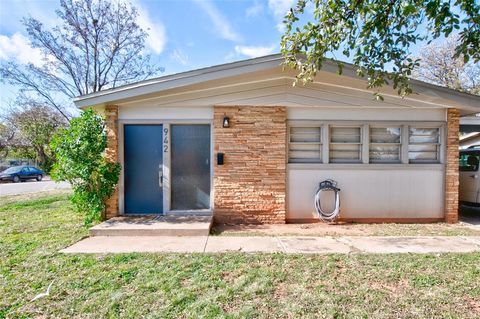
x=233, y=285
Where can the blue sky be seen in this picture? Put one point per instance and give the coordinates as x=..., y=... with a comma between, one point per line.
x=183, y=34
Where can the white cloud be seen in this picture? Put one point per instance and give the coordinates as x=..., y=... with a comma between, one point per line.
x=219, y=21
x=254, y=10
x=279, y=8
x=179, y=56
x=254, y=51
x=231, y=56
x=18, y=47
x=157, y=35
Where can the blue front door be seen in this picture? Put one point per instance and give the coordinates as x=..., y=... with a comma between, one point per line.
x=143, y=164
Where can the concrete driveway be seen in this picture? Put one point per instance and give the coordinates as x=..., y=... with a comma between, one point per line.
x=470, y=215
x=31, y=187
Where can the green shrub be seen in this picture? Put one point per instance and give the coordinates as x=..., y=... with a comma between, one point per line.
x=80, y=160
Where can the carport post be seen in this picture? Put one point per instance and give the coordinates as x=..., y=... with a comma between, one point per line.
x=451, y=166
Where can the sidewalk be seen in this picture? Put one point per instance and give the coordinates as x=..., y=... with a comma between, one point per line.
x=294, y=245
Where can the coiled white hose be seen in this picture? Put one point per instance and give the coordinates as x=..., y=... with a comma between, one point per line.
x=328, y=185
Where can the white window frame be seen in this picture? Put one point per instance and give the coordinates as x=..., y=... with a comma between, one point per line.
x=319, y=144
x=399, y=144
x=361, y=151
x=439, y=145
x=365, y=139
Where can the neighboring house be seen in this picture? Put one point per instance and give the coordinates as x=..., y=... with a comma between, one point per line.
x=240, y=141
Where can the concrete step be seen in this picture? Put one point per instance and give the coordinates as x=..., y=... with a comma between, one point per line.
x=184, y=225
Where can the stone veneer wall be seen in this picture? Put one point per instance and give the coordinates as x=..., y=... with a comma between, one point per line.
x=451, y=167
x=251, y=185
x=111, y=126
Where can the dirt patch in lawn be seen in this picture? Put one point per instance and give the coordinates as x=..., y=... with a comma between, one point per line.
x=347, y=229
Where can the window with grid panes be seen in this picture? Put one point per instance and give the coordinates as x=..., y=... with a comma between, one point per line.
x=305, y=144
x=423, y=145
x=385, y=144
x=345, y=144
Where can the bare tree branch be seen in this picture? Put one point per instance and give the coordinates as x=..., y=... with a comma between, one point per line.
x=98, y=45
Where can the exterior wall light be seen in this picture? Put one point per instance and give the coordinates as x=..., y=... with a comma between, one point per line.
x=226, y=122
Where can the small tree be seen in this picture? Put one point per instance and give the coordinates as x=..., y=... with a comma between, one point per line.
x=6, y=136
x=80, y=160
x=32, y=126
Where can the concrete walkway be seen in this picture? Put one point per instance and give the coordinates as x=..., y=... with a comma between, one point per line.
x=294, y=245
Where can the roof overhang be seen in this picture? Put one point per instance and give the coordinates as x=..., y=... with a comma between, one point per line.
x=268, y=69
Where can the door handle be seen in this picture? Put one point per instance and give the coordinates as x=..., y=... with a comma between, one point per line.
x=160, y=176
x=474, y=176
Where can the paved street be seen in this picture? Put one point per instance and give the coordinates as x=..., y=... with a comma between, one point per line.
x=31, y=187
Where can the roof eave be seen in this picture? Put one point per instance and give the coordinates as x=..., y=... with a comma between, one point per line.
x=470, y=103
x=178, y=80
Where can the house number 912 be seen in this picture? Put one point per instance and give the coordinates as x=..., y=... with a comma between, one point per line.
x=165, y=140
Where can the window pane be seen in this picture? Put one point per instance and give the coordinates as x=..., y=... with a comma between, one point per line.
x=345, y=135
x=382, y=144
x=427, y=152
x=384, y=153
x=305, y=157
x=305, y=134
x=305, y=145
x=190, y=165
x=424, y=135
x=423, y=145
x=344, y=147
x=345, y=153
x=304, y=153
x=385, y=135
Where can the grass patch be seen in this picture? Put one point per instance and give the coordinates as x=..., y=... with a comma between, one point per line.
x=231, y=285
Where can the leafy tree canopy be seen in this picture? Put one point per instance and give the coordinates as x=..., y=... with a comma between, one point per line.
x=377, y=35
x=29, y=128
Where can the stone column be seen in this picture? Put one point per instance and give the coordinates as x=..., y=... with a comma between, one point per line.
x=111, y=152
x=251, y=185
x=451, y=166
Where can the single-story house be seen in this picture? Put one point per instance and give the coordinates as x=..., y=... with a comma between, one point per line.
x=238, y=141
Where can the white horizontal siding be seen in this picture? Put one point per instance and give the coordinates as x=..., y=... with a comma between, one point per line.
x=370, y=193
x=366, y=114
